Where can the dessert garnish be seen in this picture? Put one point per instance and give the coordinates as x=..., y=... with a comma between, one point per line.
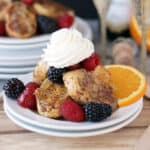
x=65, y=21
x=2, y=28
x=13, y=88
x=56, y=74
x=46, y=24
x=129, y=85
x=67, y=47
x=29, y=2
x=97, y=111
x=27, y=98
x=72, y=111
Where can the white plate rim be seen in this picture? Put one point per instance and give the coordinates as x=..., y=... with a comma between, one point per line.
x=23, y=47
x=80, y=134
x=26, y=58
x=57, y=124
x=8, y=76
x=13, y=41
x=21, y=64
x=16, y=70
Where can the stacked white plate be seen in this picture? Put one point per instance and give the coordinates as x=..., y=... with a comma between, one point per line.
x=36, y=123
x=19, y=56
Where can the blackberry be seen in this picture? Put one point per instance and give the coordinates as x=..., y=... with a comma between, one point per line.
x=13, y=88
x=97, y=111
x=46, y=24
x=55, y=74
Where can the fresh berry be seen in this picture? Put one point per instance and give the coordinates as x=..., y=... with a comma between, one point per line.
x=65, y=21
x=46, y=24
x=28, y=1
x=74, y=67
x=90, y=63
x=13, y=88
x=55, y=74
x=2, y=28
x=27, y=98
x=31, y=86
x=97, y=111
x=72, y=111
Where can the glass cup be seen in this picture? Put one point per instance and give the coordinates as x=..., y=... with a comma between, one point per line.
x=141, y=13
x=102, y=7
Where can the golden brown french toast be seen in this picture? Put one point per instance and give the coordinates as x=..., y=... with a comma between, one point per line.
x=20, y=21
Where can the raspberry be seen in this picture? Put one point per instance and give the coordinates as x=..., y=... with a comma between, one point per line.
x=74, y=67
x=46, y=24
x=2, y=28
x=55, y=74
x=27, y=98
x=13, y=88
x=90, y=63
x=97, y=111
x=72, y=111
x=65, y=21
x=31, y=86
x=28, y=1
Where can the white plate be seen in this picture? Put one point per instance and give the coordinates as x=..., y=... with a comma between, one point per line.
x=80, y=24
x=22, y=63
x=16, y=70
x=35, y=119
x=15, y=54
x=8, y=76
x=73, y=134
x=23, y=58
x=22, y=47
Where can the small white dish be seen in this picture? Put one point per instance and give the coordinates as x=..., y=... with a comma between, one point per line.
x=70, y=134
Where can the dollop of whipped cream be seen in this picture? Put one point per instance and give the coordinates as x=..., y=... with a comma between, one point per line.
x=67, y=47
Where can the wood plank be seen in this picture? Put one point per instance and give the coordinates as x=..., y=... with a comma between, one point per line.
x=124, y=139
x=7, y=126
x=1, y=105
x=142, y=120
x=146, y=103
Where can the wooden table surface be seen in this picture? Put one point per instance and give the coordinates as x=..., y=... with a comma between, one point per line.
x=13, y=137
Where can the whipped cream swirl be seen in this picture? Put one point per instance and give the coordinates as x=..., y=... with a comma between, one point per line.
x=66, y=48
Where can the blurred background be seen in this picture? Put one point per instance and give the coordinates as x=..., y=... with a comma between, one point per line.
x=110, y=24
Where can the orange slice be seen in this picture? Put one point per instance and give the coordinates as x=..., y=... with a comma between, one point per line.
x=129, y=84
x=135, y=32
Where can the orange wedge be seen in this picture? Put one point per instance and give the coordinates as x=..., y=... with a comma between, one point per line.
x=129, y=84
x=135, y=32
